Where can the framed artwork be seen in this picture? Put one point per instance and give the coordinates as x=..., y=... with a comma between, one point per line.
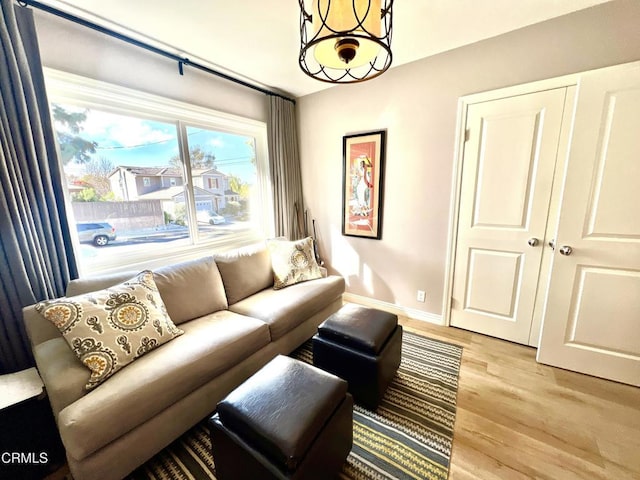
x=362, y=183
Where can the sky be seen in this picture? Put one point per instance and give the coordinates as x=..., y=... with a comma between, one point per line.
x=134, y=141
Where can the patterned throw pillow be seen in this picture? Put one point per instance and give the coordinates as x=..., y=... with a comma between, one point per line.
x=110, y=328
x=292, y=262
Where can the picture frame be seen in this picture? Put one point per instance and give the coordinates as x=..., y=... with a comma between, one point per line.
x=363, y=159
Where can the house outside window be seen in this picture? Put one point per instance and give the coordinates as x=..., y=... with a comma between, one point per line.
x=152, y=173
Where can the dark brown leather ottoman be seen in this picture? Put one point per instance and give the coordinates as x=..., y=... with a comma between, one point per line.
x=363, y=346
x=288, y=421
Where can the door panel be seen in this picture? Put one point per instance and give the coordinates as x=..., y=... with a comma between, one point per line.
x=491, y=280
x=592, y=315
x=617, y=196
x=507, y=146
x=584, y=327
x=507, y=176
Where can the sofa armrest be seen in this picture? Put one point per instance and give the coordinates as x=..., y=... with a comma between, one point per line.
x=63, y=375
x=39, y=329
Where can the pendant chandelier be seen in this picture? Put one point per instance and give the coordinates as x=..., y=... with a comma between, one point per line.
x=345, y=41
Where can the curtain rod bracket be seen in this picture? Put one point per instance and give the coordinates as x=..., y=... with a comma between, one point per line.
x=180, y=64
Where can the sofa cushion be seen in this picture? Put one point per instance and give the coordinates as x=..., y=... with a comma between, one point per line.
x=285, y=309
x=83, y=285
x=245, y=271
x=109, y=329
x=292, y=262
x=191, y=289
x=210, y=346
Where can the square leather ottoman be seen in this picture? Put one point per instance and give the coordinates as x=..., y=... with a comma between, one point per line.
x=363, y=346
x=290, y=420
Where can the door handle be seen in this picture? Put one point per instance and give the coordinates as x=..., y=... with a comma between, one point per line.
x=565, y=250
x=532, y=242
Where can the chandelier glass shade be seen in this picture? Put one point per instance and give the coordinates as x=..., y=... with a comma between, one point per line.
x=345, y=41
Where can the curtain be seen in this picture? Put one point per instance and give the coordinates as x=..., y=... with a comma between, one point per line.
x=284, y=162
x=36, y=256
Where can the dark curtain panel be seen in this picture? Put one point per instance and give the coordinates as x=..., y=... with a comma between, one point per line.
x=36, y=256
x=284, y=162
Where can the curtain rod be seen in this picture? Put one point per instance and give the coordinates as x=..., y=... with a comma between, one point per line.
x=181, y=60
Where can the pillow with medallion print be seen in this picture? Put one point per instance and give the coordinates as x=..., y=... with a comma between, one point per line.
x=292, y=262
x=110, y=328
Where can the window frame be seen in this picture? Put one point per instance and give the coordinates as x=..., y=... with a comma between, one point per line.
x=67, y=88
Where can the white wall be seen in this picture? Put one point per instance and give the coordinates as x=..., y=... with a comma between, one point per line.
x=416, y=104
x=76, y=49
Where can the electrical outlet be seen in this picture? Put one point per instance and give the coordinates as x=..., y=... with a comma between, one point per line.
x=421, y=296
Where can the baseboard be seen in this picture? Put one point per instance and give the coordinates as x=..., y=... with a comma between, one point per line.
x=393, y=308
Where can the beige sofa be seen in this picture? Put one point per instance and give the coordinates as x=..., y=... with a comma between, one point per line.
x=233, y=321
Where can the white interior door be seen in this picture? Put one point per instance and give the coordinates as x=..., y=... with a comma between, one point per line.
x=592, y=315
x=507, y=175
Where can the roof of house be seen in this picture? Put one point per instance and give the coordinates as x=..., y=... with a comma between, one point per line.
x=150, y=171
x=201, y=191
x=166, y=193
x=196, y=172
x=169, y=193
x=166, y=171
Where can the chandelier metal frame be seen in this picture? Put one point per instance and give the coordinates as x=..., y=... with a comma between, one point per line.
x=377, y=66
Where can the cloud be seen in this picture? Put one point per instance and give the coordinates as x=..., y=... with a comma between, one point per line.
x=109, y=129
x=216, y=142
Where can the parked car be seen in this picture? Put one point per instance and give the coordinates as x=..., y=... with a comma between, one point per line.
x=97, y=233
x=212, y=217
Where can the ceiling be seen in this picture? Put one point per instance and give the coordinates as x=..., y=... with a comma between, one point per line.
x=258, y=40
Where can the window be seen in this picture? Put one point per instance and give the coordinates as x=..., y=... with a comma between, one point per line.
x=213, y=183
x=150, y=171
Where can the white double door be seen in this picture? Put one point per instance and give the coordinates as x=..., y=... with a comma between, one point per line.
x=561, y=165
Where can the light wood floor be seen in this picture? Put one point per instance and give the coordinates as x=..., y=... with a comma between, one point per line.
x=517, y=419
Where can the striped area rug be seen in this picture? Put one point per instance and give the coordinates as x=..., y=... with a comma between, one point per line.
x=409, y=436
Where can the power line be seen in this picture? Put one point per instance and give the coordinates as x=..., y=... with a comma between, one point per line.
x=118, y=147
x=127, y=147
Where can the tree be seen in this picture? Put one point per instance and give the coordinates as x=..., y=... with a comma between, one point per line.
x=232, y=208
x=250, y=142
x=68, y=126
x=237, y=185
x=199, y=159
x=100, y=167
x=238, y=209
x=86, y=195
x=180, y=214
x=98, y=171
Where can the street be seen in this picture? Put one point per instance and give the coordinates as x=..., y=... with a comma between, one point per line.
x=154, y=238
